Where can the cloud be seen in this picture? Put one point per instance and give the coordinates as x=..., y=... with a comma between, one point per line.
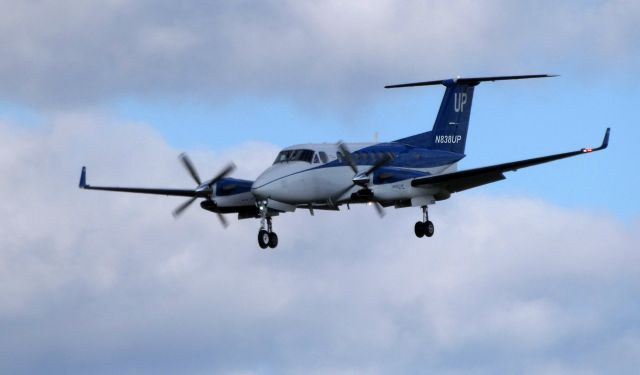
x=74, y=54
x=95, y=282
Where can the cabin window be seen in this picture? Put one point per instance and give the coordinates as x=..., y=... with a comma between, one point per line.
x=316, y=160
x=323, y=156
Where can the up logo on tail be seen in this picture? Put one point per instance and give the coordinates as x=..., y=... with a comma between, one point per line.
x=459, y=100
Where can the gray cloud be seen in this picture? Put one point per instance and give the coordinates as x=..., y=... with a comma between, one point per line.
x=109, y=283
x=74, y=53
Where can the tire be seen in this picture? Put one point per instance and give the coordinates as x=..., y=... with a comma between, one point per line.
x=263, y=238
x=419, y=229
x=429, y=229
x=273, y=240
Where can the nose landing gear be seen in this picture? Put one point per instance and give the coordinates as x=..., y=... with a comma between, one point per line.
x=266, y=236
x=267, y=239
x=424, y=227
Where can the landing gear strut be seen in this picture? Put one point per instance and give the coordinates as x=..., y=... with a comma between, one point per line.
x=266, y=236
x=424, y=227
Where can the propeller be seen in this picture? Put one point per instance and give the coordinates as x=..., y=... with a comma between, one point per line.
x=203, y=190
x=189, y=166
x=361, y=179
x=378, y=207
x=346, y=156
x=183, y=206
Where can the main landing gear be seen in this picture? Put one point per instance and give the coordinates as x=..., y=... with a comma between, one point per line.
x=424, y=227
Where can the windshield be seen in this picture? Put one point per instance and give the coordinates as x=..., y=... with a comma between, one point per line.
x=294, y=155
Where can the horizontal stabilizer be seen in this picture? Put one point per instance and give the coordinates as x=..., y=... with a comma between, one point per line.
x=469, y=81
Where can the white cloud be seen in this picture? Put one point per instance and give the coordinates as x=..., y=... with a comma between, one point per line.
x=96, y=282
x=74, y=53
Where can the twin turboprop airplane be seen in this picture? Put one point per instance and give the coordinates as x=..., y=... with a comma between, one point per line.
x=416, y=171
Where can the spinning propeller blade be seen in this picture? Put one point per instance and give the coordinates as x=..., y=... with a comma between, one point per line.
x=223, y=220
x=346, y=155
x=183, y=207
x=381, y=163
x=341, y=192
x=189, y=165
x=379, y=208
x=228, y=169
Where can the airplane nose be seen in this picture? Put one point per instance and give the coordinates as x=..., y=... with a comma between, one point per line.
x=267, y=184
x=261, y=187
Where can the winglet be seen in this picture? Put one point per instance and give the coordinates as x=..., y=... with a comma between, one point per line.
x=605, y=143
x=83, y=178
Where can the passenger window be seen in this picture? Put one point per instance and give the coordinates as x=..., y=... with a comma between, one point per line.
x=315, y=159
x=323, y=157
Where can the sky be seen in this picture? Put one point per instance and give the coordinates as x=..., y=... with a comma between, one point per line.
x=534, y=274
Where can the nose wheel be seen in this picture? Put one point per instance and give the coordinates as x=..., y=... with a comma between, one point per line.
x=424, y=227
x=267, y=237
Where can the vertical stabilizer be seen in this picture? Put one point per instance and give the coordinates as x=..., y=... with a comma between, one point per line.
x=449, y=132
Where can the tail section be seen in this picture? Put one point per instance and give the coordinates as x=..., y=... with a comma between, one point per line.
x=450, y=128
x=449, y=131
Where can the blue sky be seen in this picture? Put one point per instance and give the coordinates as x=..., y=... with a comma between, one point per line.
x=534, y=274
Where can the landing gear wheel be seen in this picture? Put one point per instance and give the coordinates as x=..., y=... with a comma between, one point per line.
x=273, y=240
x=263, y=238
x=419, y=229
x=429, y=229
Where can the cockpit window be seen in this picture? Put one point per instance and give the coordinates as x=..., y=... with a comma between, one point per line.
x=323, y=156
x=294, y=155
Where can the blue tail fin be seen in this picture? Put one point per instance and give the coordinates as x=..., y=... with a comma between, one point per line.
x=449, y=131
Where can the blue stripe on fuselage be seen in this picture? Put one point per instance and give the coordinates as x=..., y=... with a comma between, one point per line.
x=404, y=156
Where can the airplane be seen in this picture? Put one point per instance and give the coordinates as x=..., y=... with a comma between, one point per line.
x=416, y=171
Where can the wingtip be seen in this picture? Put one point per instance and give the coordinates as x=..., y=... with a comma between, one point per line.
x=605, y=141
x=83, y=178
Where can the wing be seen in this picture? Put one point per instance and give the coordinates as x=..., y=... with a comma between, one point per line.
x=470, y=178
x=175, y=192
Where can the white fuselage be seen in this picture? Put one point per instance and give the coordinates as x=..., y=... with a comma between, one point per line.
x=317, y=181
